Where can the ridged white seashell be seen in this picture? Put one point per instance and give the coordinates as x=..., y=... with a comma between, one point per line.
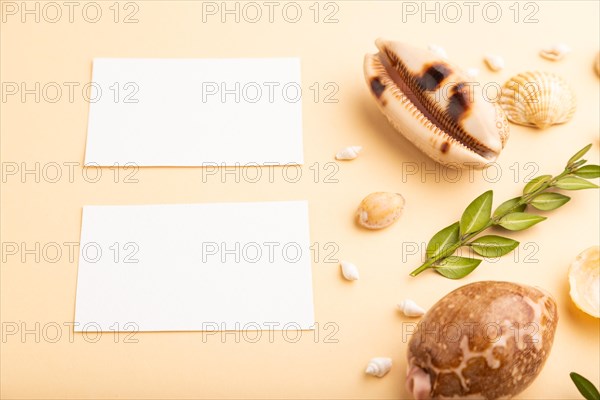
x=435, y=105
x=410, y=308
x=556, y=52
x=494, y=62
x=538, y=99
x=349, y=153
x=349, y=271
x=439, y=50
x=379, y=366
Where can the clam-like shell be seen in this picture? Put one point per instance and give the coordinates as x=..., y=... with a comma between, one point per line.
x=584, y=281
x=538, y=99
x=379, y=366
x=485, y=340
x=435, y=105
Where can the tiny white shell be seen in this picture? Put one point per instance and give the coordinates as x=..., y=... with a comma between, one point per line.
x=410, y=308
x=379, y=366
x=349, y=271
x=472, y=72
x=556, y=52
x=494, y=62
x=439, y=50
x=349, y=153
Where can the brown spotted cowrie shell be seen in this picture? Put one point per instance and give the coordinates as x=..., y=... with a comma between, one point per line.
x=435, y=105
x=486, y=340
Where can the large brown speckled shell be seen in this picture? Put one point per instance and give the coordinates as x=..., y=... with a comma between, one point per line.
x=484, y=340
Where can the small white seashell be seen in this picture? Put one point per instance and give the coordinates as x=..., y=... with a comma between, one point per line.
x=410, y=308
x=439, y=50
x=556, y=52
x=349, y=153
x=379, y=366
x=494, y=62
x=472, y=72
x=349, y=271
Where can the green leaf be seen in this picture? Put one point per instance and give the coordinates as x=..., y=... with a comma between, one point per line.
x=477, y=214
x=442, y=240
x=588, y=171
x=457, y=267
x=508, y=205
x=574, y=183
x=518, y=221
x=493, y=246
x=549, y=201
x=536, y=183
x=579, y=154
x=585, y=387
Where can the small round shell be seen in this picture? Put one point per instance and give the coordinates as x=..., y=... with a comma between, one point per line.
x=379, y=210
x=584, y=280
x=379, y=366
x=537, y=99
x=484, y=340
x=349, y=153
x=349, y=271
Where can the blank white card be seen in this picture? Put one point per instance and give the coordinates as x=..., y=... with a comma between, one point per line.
x=195, y=112
x=222, y=266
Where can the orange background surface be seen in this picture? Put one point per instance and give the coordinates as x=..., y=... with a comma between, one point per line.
x=357, y=320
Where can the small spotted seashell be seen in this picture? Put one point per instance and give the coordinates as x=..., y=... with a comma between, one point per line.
x=349, y=153
x=410, y=308
x=379, y=366
x=494, y=62
x=379, y=210
x=349, y=271
x=556, y=52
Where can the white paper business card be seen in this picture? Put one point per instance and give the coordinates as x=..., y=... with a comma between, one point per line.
x=195, y=112
x=225, y=266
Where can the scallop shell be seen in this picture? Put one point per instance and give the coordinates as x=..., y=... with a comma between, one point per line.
x=584, y=280
x=485, y=340
x=410, y=308
x=379, y=366
x=349, y=271
x=379, y=210
x=349, y=153
x=538, y=99
x=435, y=105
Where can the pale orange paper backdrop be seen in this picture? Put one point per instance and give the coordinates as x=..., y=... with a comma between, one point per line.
x=356, y=320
